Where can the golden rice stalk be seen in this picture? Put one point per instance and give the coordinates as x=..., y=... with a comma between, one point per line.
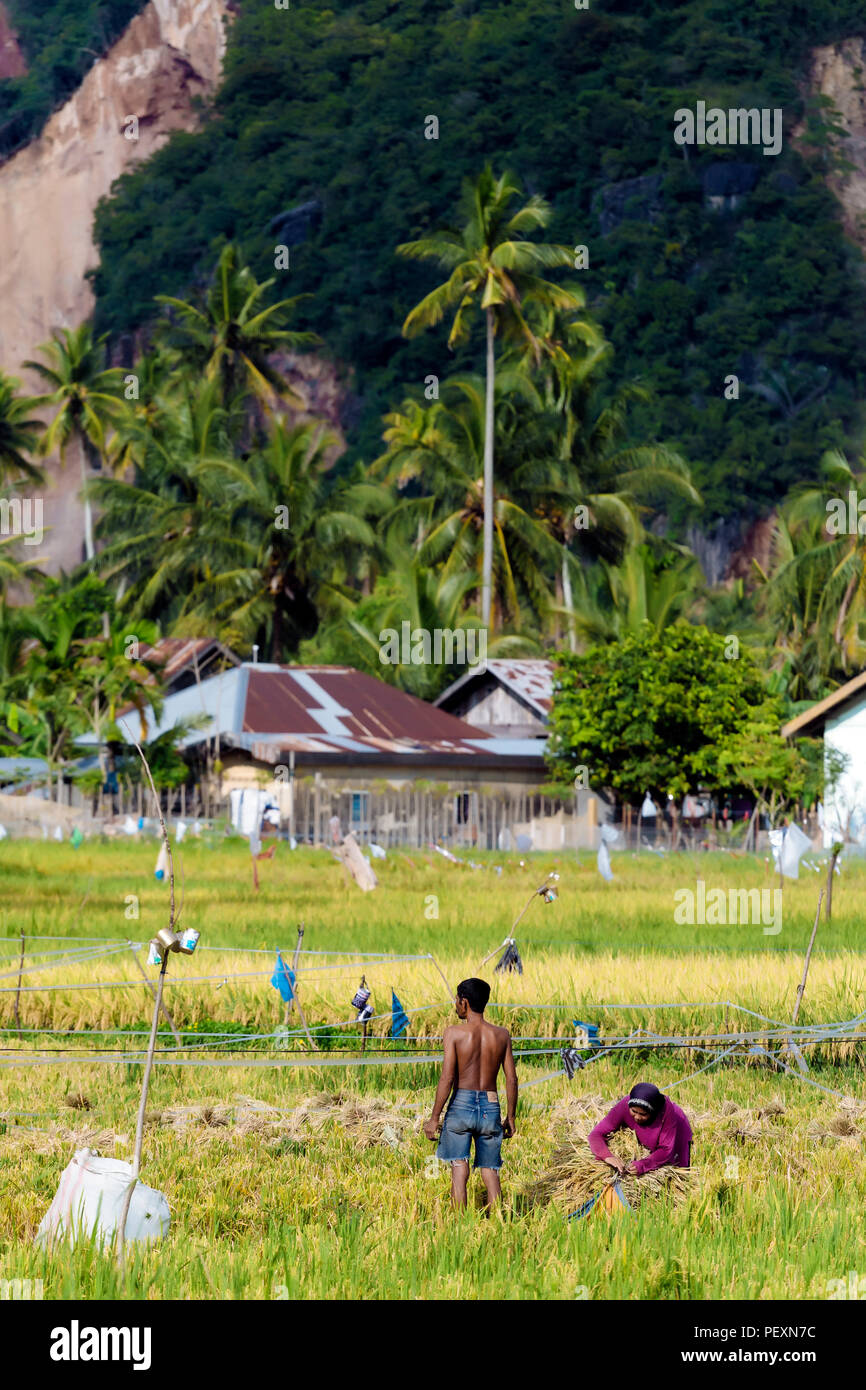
x=575, y=1174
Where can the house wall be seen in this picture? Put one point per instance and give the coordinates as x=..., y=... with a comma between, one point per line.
x=454, y=808
x=845, y=809
x=496, y=711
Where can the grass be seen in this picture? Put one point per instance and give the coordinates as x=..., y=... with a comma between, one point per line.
x=338, y=1197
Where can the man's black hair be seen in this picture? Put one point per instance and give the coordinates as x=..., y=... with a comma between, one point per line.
x=475, y=992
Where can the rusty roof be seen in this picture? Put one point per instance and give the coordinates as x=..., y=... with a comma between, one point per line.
x=332, y=714
x=340, y=702
x=530, y=679
x=175, y=654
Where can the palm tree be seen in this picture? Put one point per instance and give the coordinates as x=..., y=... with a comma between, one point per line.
x=429, y=600
x=655, y=583
x=814, y=511
x=441, y=447
x=163, y=528
x=231, y=337
x=493, y=266
x=88, y=401
x=18, y=432
x=280, y=537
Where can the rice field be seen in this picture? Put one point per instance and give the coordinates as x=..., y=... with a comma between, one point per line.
x=287, y=1180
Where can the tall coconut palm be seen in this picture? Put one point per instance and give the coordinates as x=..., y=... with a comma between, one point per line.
x=230, y=337
x=19, y=432
x=492, y=266
x=441, y=448
x=88, y=400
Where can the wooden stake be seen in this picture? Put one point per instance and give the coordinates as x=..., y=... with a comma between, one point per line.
x=310, y=1039
x=139, y=1128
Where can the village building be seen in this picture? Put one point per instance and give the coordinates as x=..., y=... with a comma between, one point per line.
x=840, y=721
x=324, y=741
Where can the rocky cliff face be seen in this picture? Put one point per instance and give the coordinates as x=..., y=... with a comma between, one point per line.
x=171, y=53
x=838, y=71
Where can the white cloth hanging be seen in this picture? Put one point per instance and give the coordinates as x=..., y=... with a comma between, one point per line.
x=788, y=846
x=648, y=809
x=603, y=862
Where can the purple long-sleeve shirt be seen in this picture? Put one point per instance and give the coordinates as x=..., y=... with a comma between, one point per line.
x=668, y=1138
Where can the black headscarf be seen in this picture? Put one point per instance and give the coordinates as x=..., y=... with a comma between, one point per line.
x=648, y=1095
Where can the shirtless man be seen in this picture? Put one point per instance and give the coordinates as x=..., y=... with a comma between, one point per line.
x=474, y=1054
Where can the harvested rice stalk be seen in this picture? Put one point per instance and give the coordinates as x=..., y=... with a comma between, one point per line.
x=842, y=1126
x=575, y=1175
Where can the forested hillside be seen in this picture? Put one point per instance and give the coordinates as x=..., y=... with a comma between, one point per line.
x=324, y=109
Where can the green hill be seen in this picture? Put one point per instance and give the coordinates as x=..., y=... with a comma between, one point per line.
x=324, y=110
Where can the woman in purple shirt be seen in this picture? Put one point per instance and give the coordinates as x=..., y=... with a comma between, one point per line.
x=660, y=1126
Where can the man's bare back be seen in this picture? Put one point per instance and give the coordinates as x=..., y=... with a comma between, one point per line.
x=480, y=1050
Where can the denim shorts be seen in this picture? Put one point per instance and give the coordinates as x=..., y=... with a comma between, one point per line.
x=472, y=1116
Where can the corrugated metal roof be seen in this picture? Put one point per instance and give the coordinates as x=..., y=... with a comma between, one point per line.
x=175, y=654
x=341, y=703
x=530, y=679
x=331, y=712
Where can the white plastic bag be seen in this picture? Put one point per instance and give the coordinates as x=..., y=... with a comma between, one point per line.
x=89, y=1201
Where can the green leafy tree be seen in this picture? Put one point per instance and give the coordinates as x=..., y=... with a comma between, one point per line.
x=656, y=711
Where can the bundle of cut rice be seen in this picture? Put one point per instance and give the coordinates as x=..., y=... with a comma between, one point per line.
x=573, y=1109
x=842, y=1128
x=368, y=1121
x=575, y=1175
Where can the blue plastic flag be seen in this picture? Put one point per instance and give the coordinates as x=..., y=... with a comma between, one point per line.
x=283, y=980
x=399, y=1018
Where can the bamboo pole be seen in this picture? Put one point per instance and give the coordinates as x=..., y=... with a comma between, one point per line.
x=801, y=988
x=834, y=855
x=139, y=1126
x=166, y=1015
x=301, y=1015
x=295, y=957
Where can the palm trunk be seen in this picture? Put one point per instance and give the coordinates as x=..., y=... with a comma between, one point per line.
x=88, y=511
x=568, y=601
x=487, y=559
